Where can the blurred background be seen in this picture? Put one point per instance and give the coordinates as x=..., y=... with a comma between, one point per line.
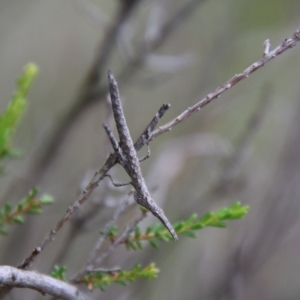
x=243, y=146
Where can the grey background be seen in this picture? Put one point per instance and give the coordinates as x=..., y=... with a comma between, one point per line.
x=254, y=258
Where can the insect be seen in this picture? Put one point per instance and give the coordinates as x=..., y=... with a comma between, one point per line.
x=126, y=154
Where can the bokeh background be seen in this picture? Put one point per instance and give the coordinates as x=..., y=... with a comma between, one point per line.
x=243, y=146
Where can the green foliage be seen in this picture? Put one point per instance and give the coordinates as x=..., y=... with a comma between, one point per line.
x=102, y=280
x=59, y=272
x=111, y=233
x=188, y=227
x=11, y=117
x=29, y=205
x=8, y=122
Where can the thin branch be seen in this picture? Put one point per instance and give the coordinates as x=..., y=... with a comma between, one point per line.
x=93, y=255
x=267, y=46
x=15, y=278
x=112, y=247
x=99, y=175
x=119, y=240
x=114, y=219
x=77, y=225
x=285, y=45
x=112, y=159
x=79, y=222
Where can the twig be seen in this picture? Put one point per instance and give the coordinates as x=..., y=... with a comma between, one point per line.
x=99, y=175
x=79, y=222
x=267, y=46
x=111, y=248
x=285, y=45
x=93, y=255
x=119, y=240
x=14, y=278
x=114, y=219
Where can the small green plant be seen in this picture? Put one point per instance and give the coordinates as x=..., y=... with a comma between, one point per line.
x=188, y=228
x=31, y=204
x=102, y=280
x=59, y=272
x=9, y=120
x=14, y=111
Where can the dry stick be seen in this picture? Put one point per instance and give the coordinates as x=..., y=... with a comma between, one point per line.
x=12, y=277
x=79, y=222
x=98, y=176
x=77, y=227
x=100, y=241
x=112, y=247
x=285, y=45
x=122, y=237
x=112, y=159
x=90, y=264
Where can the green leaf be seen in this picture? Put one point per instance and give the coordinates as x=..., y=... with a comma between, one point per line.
x=206, y=217
x=46, y=199
x=132, y=245
x=178, y=226
x=149, y=230
x=122, y=282
x=154, y=244
x=139, y=244
x=137, y=231
x=165, y=237
x=35, y=211
x=192, y=218
x=59, y=272
x=197, y=226
x=7, y=209
x=15, y=109
x=217, y=224
x=189, y=233
x=18, y=219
